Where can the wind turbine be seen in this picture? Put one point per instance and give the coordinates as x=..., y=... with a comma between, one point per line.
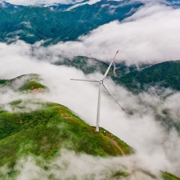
x=101, y=83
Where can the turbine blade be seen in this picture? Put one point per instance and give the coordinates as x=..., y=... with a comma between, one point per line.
x=112, y=96
x=98, y=108
x=84, y=80
x=109, y=66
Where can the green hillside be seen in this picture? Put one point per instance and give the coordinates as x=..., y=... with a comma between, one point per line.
x=28, y=82
x=91, y=65
x=44, y=131
x=166, y=74
x=34, y=23
x=10, y=7
x=168, y=176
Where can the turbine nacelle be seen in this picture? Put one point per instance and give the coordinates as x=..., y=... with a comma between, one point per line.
x=101, y=83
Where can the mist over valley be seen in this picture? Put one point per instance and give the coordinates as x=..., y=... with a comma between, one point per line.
x=47, y=121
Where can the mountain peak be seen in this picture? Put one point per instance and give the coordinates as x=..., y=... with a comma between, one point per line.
x=10, y=7
x=4, y=4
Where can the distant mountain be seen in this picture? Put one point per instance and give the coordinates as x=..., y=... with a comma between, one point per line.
x=56, y=23
x=174, y=2
x=10, y=7
x=163, y=75
x=33, y=24
x=91, y=65
x=166, y=74
x=59, y=7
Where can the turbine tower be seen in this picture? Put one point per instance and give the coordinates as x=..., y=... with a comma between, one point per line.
x=101, y=83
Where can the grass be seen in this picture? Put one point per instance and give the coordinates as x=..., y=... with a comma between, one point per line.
x=168, y=176
x=44, y=132
x=31, y=85
x=2, y=81
x=120, y=174
x=31, y=82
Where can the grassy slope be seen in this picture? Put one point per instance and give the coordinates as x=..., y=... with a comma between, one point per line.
x=2, y=81
x=168, y=176
x=30, y=82
x=44, y=132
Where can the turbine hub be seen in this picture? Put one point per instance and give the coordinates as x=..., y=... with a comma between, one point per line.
x=101, y=82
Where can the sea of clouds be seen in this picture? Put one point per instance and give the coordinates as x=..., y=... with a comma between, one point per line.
x=149, y=36
x=156, y=148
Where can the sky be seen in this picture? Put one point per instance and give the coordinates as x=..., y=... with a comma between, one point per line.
x=149, y=36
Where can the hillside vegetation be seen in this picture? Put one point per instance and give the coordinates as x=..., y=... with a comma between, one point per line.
x=168, y=176
x=166, y=74
x=32, y=24
x=27, y=82
x=43, y=132
x=91, y=65
x=163, y=75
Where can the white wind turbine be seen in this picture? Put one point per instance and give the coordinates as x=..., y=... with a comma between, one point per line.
x=101, y=83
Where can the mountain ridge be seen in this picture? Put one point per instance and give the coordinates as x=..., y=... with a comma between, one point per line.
x=44, y=131
x=45, y=24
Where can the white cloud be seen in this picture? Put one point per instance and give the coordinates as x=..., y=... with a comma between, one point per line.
x=153, y=143
x=90, y=2
x=150, y=35
x=40, y=2
x=52, y=2
x=69, y=165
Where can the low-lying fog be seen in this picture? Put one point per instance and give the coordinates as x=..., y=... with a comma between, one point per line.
x=149, y=36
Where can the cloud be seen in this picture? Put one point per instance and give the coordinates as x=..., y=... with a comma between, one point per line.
x=52, y=2
x=90, y=2
x=69, y=165
x=141, y=130
x=40, y=2
x=151, y=35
